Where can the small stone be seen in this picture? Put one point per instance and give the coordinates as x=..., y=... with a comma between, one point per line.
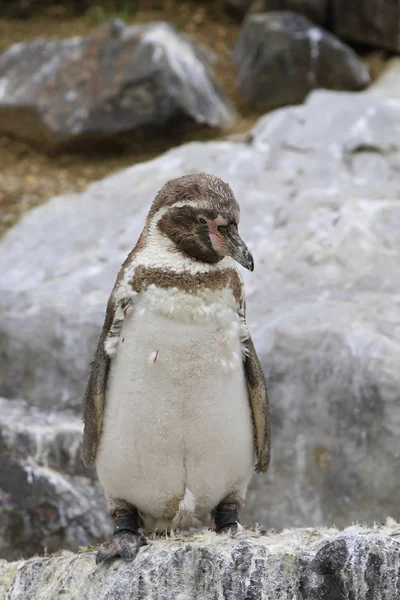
x=198, y=17
x=30, y=180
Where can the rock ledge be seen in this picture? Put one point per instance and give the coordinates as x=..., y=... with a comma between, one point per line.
x=359, y=563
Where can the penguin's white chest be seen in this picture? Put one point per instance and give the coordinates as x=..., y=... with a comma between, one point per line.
x=177, y=414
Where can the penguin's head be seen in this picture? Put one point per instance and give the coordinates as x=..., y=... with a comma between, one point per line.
x=200, y=215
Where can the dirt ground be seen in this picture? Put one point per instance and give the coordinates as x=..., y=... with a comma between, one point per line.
x=28, y=177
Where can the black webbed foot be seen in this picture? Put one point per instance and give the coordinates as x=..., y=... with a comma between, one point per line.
x=226, y=517
x=122, y=545
x=126, y=540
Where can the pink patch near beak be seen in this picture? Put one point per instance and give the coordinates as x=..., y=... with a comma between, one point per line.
x=215, y=236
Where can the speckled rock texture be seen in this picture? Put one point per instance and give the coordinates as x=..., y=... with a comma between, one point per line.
x=319, y=189
x=356, y=564
x=281, y=56
x=115, y=80
x=48, y=499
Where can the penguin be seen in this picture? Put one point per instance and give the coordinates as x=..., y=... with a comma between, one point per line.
x=176, y=414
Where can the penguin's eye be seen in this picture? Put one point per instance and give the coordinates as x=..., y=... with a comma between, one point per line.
x=202, y=220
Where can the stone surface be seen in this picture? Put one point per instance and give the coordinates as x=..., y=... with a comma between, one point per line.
x=304, y=564
x=48, y=499
x=375, y=23
x=319, y=189
x=114, y=81
x=281, y=56
x=388, y=83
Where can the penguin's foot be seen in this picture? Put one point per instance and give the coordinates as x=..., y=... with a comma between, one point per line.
x=126, y=540
x=226, y=517
x=122, y=545
x=228, y=528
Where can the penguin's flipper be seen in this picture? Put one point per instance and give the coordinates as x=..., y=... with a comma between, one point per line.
x=258, y=398
x=93, y=402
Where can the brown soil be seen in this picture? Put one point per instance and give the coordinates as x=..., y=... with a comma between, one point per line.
x=28, y=177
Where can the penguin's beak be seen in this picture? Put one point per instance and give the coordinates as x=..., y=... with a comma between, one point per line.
x=238, y=249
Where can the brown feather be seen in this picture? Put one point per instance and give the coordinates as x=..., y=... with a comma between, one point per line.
x=187, y=282
x=93, y=402
x=258, y=397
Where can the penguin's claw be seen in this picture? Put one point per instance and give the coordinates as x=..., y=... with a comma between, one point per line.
x=228, y=528
x=123, y=545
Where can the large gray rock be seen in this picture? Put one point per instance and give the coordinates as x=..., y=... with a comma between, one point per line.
x=281, y=56
x=358, y=563
x=320, y=196
x=48, y=500
x=375, y=22
x=115, y=80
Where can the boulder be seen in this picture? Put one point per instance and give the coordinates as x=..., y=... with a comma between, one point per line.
x=320, y=195
x=306, y=564
x=48, y=499
x=98, y=88
x=281, y=56
x=374, y=23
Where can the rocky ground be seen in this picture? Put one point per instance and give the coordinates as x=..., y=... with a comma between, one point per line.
x=360, y=563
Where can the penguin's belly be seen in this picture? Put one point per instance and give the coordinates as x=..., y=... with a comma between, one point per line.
x=177, y=425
